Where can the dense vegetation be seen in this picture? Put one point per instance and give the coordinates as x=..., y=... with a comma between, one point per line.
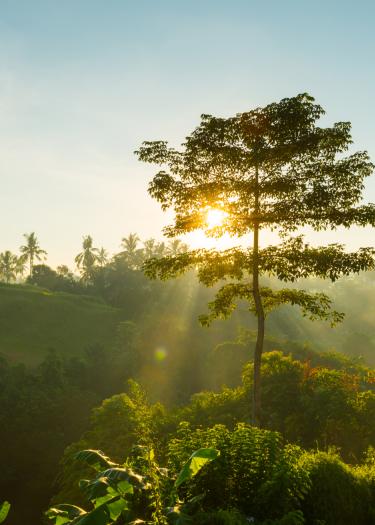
x=82, y=340
x=251, y=475
x=322, y=403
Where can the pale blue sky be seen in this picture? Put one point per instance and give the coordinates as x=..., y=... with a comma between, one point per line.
x=83, y=82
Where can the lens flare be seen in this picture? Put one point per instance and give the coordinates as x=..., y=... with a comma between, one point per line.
x=160, y=354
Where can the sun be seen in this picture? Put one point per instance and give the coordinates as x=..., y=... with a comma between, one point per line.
x=215, y=217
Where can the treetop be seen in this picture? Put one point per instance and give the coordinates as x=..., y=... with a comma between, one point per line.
x=271, y=166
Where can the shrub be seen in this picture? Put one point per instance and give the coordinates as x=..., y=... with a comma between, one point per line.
x=338, y=494
x=253, y=471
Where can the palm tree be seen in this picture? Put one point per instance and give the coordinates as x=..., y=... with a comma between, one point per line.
x=131, y=253
x=160, y=250
x=176, y=246
x=21, y=265
x=149, y=247
x=102, y=257
x=31, y=250
x=87, y=259
x=8, y=266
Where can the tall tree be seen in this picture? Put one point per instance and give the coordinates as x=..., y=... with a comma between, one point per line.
x=160, y=250
x=21, y=265
x=269, y=168
x=176, y=246
x=102, y=257
x=149, y=248
x=8, y=266
x=31, y=250
x=131, y=253
x=87, y=259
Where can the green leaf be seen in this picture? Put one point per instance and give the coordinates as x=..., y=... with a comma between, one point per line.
x=195, y=463
x=4, y=509
x=116, y=507
x=117, y=475
x=97, y=489
x=96, y=459
x=103, y=514
x=64, y=513
x=98, y=516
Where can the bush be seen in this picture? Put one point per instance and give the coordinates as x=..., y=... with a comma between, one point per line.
x=338, y=495
x=254, y=470
x=275, y=483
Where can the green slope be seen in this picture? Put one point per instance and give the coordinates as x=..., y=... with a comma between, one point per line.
x=33, y=320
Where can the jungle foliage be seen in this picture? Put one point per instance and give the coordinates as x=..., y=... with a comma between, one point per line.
x=328, y=413
x=245, y=475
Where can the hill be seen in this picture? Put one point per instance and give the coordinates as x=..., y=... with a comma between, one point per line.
x=34, y=320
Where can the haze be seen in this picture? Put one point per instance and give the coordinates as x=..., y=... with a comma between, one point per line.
x=83, y=83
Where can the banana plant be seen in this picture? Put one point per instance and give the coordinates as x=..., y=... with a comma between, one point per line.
x=118, y=494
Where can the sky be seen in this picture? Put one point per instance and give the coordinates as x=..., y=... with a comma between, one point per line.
x=84, y=82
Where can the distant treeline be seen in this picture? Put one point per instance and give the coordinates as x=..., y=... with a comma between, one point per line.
x=133, y=253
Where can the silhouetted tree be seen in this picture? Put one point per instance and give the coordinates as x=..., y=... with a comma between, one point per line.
x=131, y=253
x=269, y=168
x=8, y=266
x=102, y=257
x=176, y=246
x=149, y=247
x=87, y=259
x=31, y=250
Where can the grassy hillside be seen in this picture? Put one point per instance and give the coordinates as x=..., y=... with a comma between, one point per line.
x=33, y=320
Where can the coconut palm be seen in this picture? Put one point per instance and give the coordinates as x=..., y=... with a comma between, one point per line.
x=31, y=250
x=131, y=253
x=8, y=266
x=87, y=259
x=176, y=246
x=102, y=257
x=149, y=248
x=160, y=250
x=21, y=265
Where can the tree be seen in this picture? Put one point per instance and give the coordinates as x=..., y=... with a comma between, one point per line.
x=269, y=168
x=87, y=259
x=21, y=265
x=149, y=248
x=43, y=276
x=64, y=271
x=160, y=250
x=176, y=246
x=131, y=253
x=8, y=266
x=31, y=250
x=102, y=257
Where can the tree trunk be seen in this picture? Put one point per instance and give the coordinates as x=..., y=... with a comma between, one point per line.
x=256, y=401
